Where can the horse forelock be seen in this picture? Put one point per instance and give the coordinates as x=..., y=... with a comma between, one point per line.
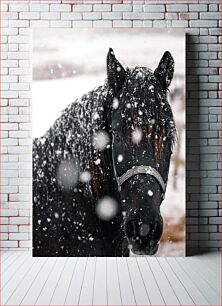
x=144, y=105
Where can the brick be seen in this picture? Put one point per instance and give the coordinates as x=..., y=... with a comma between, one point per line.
x=24, y=229
x=207, y=15
x=18, y=55
x=19, y=102
x=18, y=150
x=161, y=23
x=204, y=31
x=9, y=126
x=213, y=7
x=102, y=24
x=39, y=23
x=8, y=244
x=208, y=55
x=60, y=8
x=25, y=244
x=134, y=15
x=18, y=23
x=18, y=236
x=19, y=39
x=203, y=23
x=29, y=15
x=39, y=7
x=138, y=23
x=71, y=16
x=9, y=94
x=82, y=8
x=82, y=24
x=92, y=15
x=9, y=31
x=171, y=16
x=18, y=7
x=197, y=7
x=102, y=7
x=137, y=7
x=122, y=7
x=9, y=173
x=215, y=78
x=214, y=47
x=52, y=15
x=199, y=236
x=9, y=212
x=25, y=126
x=177, y=8
x=122, y=23
x=8, y=142
x=19, y=118
x=154, y=8
x=9, y=63
x=60, y=24
x=20, y=71
x=187, y=16
x=112, y=15
x=216, y=31
x=180, y=23
x=215, y=220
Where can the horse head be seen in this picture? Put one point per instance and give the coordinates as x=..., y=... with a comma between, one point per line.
x=142, y=137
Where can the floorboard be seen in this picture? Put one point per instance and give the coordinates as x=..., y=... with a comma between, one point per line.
x=213, y=279
x=100, y=283
x=75, y=287
x=113, y=284
x=152, y=287
x=191, y=287
x=167, y=291
x=110, y=281
x=49, y=287
x=86, y=294
x=180, y=291
x=62, y=288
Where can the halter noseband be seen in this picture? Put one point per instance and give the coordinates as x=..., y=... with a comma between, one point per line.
x=141, y=170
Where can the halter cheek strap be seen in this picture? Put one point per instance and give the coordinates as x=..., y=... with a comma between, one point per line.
x=141, y=170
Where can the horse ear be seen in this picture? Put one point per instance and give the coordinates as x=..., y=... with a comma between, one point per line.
x=164, y=71
x=115, y=72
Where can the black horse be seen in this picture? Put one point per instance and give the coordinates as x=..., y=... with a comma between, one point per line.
x=100, y=172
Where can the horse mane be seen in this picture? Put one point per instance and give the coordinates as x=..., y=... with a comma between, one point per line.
x=70, y=138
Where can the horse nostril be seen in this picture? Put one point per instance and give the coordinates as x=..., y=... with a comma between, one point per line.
x=132, y=229
x=135, y=229
x=144, y=230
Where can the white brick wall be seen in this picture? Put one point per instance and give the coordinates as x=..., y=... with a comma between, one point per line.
x=201, y=20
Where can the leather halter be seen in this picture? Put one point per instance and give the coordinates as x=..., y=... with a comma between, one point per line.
x=141, y=170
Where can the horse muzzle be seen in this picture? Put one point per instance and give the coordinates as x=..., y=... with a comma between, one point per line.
x=143, y=233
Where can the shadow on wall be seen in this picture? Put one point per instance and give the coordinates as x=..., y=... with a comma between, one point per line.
x=193, y=194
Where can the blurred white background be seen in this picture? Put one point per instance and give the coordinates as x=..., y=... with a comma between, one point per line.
x=70, y=62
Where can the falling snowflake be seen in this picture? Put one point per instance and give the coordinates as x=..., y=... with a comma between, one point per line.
x=150, y=193
x=98, y=161
x=100, y=140
x=56, y=215
x=85, y=177
x=67, y=174
x=137, y=136
x=115, y=103
x=96, y=116
x=120, y=158
x=106, y=208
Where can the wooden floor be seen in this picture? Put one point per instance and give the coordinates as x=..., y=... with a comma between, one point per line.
x=110, y=281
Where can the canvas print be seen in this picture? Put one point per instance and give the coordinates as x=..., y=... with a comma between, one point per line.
x=108, y=142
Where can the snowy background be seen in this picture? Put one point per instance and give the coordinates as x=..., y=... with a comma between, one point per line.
x=68, y=63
